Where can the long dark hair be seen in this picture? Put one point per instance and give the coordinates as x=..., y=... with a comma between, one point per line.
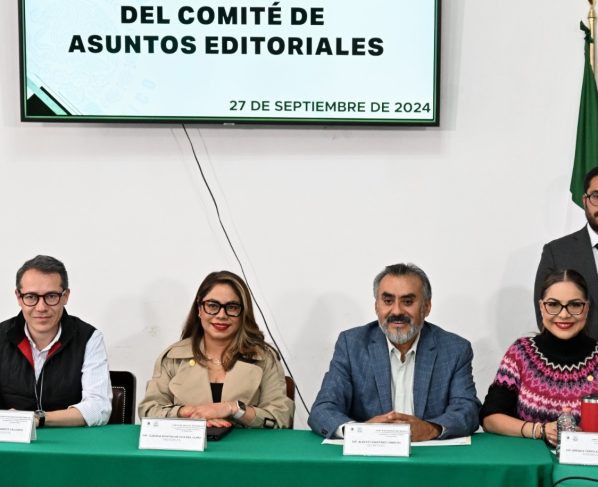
x=565, y=275
x=248, y=341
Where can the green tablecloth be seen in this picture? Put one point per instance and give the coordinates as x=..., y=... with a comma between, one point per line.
x=109, y=456
x=561, y=471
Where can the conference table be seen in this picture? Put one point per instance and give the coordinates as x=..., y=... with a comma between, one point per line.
x=109, y=455
x=574, y=475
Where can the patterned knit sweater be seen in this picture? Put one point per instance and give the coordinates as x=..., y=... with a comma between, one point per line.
x=539, y=375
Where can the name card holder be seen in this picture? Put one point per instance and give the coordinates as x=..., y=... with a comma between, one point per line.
x=17, y=426
x=579, y=448
x=173, y=434
x=377, y=439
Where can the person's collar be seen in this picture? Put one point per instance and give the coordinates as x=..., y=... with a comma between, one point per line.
x=47, y=347
x=593, y=235
x=572, y=350
x=412, y=349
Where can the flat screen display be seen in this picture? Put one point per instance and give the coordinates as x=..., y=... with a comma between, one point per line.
x=320, y=62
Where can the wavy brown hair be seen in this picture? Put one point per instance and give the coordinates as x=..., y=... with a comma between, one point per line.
x=249, y=340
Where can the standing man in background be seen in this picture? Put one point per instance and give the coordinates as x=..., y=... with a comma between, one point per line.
x=576, y=251
x=50, y=362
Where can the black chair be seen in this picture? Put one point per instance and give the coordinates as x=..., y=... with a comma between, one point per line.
x=290, y=393
x=290, y=387
x=123, y=397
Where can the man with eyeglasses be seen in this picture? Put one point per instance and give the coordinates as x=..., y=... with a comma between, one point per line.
x=50, y=362
x=576, y=251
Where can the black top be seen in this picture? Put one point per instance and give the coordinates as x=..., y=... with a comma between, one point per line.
x=565, y=352
x=216, y=391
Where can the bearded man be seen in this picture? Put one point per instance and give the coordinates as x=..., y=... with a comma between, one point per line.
x=399, y=368
x=578, y=251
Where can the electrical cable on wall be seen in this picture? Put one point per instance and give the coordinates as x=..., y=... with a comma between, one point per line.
x=216, y=207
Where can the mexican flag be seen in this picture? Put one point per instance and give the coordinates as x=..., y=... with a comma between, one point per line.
x=586, y=147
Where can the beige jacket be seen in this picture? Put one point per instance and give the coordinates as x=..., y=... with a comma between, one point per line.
x=179, y=380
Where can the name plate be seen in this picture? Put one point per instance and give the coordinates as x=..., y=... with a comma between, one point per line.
x=17, y=426
x=579, y=448
x=172, y=434
x=377, y=439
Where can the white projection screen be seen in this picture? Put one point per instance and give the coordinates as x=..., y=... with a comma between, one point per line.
x=322, y=62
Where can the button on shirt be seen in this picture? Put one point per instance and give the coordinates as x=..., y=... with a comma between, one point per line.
x=96, y=390
x=402, y=374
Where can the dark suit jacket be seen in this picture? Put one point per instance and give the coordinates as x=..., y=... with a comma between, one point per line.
x=357, y=386
x=571, y=252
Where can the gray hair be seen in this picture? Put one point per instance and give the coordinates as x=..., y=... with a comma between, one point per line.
x=405, y=270
x=46, y=265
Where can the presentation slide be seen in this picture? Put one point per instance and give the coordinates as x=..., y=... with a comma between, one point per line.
x=203, y=61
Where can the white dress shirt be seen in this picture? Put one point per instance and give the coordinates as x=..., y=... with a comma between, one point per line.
x=594, y=242
x=402, y=373
x=96, y=393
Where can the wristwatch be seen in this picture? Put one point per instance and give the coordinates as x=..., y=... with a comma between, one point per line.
x=241, y=411
x=41, y=418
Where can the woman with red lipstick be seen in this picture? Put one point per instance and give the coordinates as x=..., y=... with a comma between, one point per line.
x=540, y=375
x=222, y=370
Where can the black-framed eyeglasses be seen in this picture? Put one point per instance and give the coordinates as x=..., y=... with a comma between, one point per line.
x=592, y=198
x=231, y=309
x=51, y=298
x=574, y=308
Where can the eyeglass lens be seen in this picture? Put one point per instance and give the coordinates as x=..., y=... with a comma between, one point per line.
x=573, y=308
x=51, y=299
x=214, y=307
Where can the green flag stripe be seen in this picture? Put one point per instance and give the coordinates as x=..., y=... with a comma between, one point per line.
x=586, y=147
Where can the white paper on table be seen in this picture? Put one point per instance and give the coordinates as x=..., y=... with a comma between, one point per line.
x=172, y=434
x=579, y=448
x=463, y=440
x=377, y=439
x=17, y=426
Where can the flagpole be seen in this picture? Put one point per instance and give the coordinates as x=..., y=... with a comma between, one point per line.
x=591, y=21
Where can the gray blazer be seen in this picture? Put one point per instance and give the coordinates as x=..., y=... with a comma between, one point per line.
x=570, y=252
x=357, y=385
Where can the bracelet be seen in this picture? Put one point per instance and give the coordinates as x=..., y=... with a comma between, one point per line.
x=543, y=431
x=534, y=431
x=523, y=426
